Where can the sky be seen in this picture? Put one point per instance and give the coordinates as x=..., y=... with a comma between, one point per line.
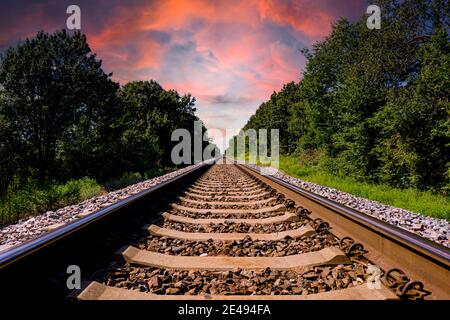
x=231, y=55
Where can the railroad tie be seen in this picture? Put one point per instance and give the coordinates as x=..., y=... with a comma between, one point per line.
x=225, y=192
x=228, y=203
x=287, y=217
x=240, y=189
x=231, y=197
x=291, y=264
x=98, y=291
x=277, y=208
x=304, y=231
x=221, y=185
x=298, y=262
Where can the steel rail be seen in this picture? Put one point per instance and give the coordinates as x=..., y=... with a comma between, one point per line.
x=436, y=250
x=22, y=250
x=431, y=253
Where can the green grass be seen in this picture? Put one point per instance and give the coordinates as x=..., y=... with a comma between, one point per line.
x=125, y=180
x=33, y=198
x=129, y=178
x=423, y=202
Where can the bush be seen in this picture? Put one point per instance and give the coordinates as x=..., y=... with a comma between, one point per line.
x=154, y=172
x=33, y=198
x=129, y=178
x=424, y=202
x=124, y=180
x=74, y=190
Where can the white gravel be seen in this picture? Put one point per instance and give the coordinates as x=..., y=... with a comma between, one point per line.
x=437, y=230
x=31, y=228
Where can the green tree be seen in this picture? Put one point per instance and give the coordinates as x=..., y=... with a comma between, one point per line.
x=373, y=104
x=274, y=114
x=61, y=104
x=9, y=161
x=151, y=114
x=415, y=123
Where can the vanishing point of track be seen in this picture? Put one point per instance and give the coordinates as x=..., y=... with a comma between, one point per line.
x=227, y=232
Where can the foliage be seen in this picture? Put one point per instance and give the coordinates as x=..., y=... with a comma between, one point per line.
x=33, y=197
x=63, y=118
x=124, y=180
x=374, y=104
x=424, y=202
x=274, y=114
x=61, y=104
x=151, y=114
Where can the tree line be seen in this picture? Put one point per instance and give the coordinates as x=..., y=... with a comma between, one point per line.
x=373, y=104
x=62, y=117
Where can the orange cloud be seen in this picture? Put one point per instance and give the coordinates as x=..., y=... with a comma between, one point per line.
x=230, y=54
x=305, y=16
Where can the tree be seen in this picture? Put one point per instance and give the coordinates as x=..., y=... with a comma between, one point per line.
x=274, y=114
x=415, y=123
x=373, y=104
x=61, y=104
x=150, y=116
x=140, y=138
x=9, y=162
x=315, y=117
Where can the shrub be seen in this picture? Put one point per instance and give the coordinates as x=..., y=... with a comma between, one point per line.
x=33, y=198
x=124, y=180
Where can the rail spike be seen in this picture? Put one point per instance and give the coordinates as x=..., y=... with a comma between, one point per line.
x=320, y=225
x=351, y=248
x=280, y=198
x=290, y=204
x=259, y=182
x=302, y=212
x=403, y=286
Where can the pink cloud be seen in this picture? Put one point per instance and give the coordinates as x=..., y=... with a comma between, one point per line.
x=230, y=54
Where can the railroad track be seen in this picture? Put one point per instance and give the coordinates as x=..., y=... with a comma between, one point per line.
x=226, y=232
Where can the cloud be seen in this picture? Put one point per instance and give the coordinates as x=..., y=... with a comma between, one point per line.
x=226, y=99
x=231, y=54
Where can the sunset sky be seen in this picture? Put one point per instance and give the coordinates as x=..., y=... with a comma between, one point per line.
x=231, y=55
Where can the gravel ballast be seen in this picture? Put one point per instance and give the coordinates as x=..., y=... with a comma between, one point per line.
x=239, y=248
x=262, y=282
x=437, y=230
x=235, y=227
x=31, y=228
x=226, y=215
